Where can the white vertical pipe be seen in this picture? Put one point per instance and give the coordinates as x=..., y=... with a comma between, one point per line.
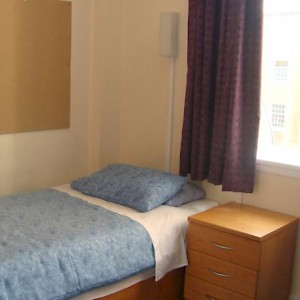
x=169, y=25
x=170, y=117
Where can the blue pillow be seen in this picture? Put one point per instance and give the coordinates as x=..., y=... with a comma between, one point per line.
x=188, y=193
x=139, y=188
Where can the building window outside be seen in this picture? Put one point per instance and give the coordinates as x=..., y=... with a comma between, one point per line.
x=279, y=136
x=281, y=70
x=278, y=115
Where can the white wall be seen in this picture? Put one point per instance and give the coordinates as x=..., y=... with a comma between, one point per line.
x=107, y=85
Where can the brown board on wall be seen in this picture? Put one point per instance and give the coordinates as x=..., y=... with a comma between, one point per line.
x=35, y=54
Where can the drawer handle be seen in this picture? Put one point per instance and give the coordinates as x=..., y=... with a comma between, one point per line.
x=210, y=297
x=219, y=274
x=221, y=246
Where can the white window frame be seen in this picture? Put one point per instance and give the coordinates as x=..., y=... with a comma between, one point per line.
x=277, y=168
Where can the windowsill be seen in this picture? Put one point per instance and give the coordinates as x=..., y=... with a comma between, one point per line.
x=277, y=168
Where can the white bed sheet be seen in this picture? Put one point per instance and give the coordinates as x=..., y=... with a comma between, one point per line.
x=167, y=227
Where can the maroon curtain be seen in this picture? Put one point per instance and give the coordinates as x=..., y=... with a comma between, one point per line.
x=220, y=127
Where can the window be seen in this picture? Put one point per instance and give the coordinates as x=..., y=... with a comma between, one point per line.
x=278, y=115
x=279, y=135
x=281, y=70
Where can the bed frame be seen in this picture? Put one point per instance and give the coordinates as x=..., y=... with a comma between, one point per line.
x=170, y=287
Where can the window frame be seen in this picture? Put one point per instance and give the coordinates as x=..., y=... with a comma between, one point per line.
x=277, y=168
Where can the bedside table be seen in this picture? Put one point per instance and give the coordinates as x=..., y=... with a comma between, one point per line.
x=240, y=252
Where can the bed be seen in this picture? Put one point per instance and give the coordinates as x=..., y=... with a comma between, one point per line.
x=94, y=248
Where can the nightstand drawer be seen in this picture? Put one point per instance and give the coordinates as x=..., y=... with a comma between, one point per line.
x=196, y=289
x=222, y=273
x=232, y=248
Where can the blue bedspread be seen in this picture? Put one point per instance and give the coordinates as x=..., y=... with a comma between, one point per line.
x=54, y=246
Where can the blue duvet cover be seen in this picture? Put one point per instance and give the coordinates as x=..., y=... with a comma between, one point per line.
x=54, y=246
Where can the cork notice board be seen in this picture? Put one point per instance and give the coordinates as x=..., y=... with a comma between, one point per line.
x=35, y=51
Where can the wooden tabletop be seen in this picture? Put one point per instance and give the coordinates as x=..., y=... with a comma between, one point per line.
x=244, y=220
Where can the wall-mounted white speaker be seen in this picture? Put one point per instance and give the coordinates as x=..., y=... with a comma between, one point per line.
x=169, y=26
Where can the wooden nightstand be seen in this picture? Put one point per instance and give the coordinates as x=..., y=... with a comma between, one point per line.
x=239, y=252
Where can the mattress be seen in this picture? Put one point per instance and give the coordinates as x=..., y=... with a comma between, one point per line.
x=167, y=227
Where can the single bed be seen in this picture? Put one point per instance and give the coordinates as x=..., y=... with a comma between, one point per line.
x=167, y=226
x=159, y=277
